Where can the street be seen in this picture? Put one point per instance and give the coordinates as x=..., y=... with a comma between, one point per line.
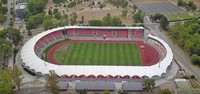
x=8, y=14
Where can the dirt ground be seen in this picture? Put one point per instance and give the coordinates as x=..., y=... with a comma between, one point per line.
x=92, y=13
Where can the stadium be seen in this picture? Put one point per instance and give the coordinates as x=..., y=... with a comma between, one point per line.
x=97, y=52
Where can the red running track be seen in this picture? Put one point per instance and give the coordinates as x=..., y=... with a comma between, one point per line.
x=149, y=55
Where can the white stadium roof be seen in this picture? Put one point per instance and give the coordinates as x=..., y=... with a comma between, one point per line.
x=34, y=63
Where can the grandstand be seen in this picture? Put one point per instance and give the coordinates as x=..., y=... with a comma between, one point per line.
x=32, y=53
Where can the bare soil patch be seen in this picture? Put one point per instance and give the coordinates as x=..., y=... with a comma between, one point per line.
x=92, y=12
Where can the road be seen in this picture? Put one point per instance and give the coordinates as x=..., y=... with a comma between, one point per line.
x=8, y=14
x=181, y=57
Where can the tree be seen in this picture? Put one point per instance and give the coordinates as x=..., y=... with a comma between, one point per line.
x=6, y=83
x=116, y=21
x=72, y=4
x=29, y=33
x=36, y=6
x=34, y=21
x=17, y=76
x=192, y=77
x=107, y=20
x=122, y=92
x=165, y=91
x=6, y=48
x=149, y=84
x=55, y=10
x=11, y=11
x=195, y=59
x=57, y=16
x=4, y=1
x=124, y=12
x=164, y=23
x=157, y=17
x=2, y=18
x=73, y=18
x=137, y=17
x=11, y=23
x=101, y=6
x=14, y=35
x=82, y=18
x=84, y=91
x=122, y=3
x=95, y=22
x=180, y=3
x=48, y=24
x=3, y=10
x=58, y=2
x=50, y=12
x=106, y=92
x=51, y=83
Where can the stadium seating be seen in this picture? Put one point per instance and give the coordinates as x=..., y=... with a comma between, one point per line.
x=138, y=34
x=39, y=44
x=57, y=35
x=122, y=33
x=44, y=40
x=85, y=33
x=37, y=50
x=101, y=33
x=50, y=37
x=70, y=32
x=163, y=51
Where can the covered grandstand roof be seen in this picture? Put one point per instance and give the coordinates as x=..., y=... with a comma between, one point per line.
x=33, y=62
x=95, y=86
x=132, y=86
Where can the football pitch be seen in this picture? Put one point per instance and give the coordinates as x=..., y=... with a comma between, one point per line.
x=112, y=54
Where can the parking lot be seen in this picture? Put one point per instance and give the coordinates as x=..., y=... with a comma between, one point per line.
x=162, y=8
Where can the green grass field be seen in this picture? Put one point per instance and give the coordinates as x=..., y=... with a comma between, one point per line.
x=182, y=16
x=119, y=54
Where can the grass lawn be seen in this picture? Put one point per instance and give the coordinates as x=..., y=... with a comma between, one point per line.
x=182, y=16
x=122, y=54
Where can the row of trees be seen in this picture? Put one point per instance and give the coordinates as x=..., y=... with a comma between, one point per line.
x=189, y=6
x=187, y=36
x=106, y=21
x=164, y=23
x=3, y=11
x=122, y=3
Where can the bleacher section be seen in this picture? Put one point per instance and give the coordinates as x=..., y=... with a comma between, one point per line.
x=138, y=34
x=44, y=40
x=161, y=49
x=70, y=32
x=57, y=35
x=85, y=33
x=122, y=33
x=47, y=40
x=103, y=33
x=50, y=37
x=106, y=33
